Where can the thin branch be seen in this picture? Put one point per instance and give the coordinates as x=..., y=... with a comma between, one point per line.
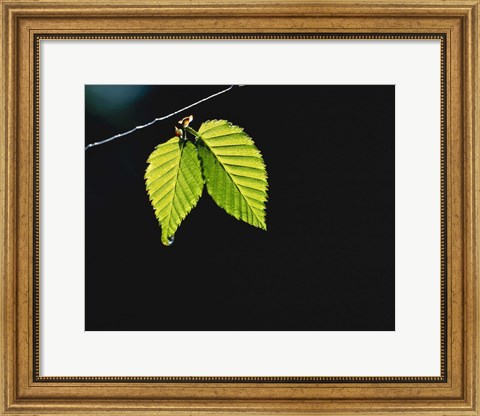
x=117, y=136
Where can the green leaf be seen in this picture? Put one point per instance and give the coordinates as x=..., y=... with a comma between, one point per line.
x=174, y=184
x=234, y=171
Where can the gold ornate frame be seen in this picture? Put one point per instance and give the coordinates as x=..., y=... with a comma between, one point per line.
x=25, y=24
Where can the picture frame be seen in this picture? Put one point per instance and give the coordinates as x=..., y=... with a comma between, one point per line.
x=25, y=24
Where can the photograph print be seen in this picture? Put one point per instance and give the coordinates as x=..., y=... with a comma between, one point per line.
x=240, y=207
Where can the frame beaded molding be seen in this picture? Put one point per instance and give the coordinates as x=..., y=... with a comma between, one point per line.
x=253, y=379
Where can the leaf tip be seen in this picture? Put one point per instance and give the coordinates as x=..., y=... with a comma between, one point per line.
x=167, y=241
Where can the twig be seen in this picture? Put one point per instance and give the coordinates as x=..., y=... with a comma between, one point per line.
x=117, y=136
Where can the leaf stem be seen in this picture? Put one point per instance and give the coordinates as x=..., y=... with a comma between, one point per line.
x=192, y=131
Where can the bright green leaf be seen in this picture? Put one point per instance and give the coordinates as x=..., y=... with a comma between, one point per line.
x=174, y=184
x=234, y=171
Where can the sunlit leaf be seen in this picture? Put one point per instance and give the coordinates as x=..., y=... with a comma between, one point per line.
x=174, y=184
x=234, y=171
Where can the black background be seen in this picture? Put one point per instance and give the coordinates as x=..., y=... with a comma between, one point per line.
x=327, y=261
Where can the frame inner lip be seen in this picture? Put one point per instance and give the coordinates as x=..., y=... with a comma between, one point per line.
x=238, y=379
